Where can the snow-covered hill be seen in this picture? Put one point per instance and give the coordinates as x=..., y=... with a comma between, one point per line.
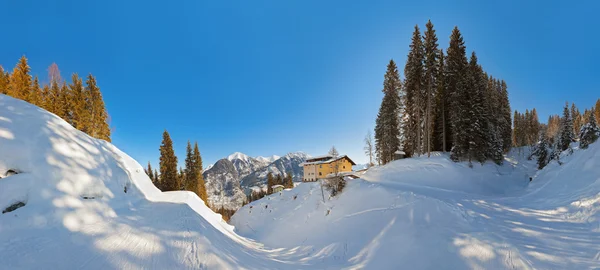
x=90, y=206
x=437, y=214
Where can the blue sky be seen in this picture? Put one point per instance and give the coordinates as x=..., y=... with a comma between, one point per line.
x=270, y=77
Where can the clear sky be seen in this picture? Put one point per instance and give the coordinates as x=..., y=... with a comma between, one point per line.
x=271, y=77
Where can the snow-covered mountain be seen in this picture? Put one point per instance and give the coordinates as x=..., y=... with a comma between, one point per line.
x=268, y=159
x=229, y=178
x=288, y=163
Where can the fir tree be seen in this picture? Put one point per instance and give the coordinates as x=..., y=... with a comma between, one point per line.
x=168, y=164
x=441, y=108
x=98, y=117
x=201, y=186
x=289, y=182
x=4, y=81
x=577, y=120
x=566, y=130
x=597, y=111
x=430, y=67
x=65, y=105
x=456, y=70
x=35, y=94
x=541, y=152
x=20, y=80
x=79, y=104
x=190, y=180
x=415, y=94
x=589, y=132
x=149, y=171
x=270, y=183
x=387, y=125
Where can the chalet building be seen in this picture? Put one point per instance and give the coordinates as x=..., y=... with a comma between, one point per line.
x=324, y=166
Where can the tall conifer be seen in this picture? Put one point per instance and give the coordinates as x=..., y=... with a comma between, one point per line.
x=168, y=164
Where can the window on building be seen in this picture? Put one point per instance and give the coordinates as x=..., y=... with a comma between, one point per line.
x=320, y=173
x=321, y=166
x=344, y=167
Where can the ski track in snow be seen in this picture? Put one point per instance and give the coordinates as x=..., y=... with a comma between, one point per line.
x=417, y=213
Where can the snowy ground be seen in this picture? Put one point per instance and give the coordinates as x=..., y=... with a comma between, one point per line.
x=415, y=213
x=433, y=213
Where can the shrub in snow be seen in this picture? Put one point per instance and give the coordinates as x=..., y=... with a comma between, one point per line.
x=589, y=133
x=335, y=185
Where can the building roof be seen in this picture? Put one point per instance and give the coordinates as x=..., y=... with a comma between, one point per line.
x=332, y=159
x=319, y=158
x=400, y=152
x=276, y=186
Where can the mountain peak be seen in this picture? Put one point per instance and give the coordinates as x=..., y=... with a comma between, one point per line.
x=238, y=155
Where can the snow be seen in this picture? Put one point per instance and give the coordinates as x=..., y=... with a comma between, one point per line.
x=268, y=159
x=238, y=155
x=412, y=213
x=434, y=213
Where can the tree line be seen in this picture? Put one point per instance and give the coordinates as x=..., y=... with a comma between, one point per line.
x=272, y=180
x=80, y=105
x=169, y=178
x=445, y=103
x=559, y=133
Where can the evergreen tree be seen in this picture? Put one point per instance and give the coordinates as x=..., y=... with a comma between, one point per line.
x=78, y=100
x=270, y=183
x=504, y=118
x=279, y=180
x=180, y=179
x=35, y=94
x=387, y=125
x=150, y=172
x=456, y=70
x=98, y=117
x=190, y=180
x=566, y=130
x=65, y=105
x=46, y=98
x=20, y=80
x=168, y=164
x=431, y=66
x=289, y=182
x=415, y=94
x=4, y=81
x=541, y=151
x=577, y=120
x=201, y=185
x=441, y=109
x=597, y=111
x=589, y=132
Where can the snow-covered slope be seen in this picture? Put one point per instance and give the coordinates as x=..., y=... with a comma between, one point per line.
x=436, y=214
x=112, y=229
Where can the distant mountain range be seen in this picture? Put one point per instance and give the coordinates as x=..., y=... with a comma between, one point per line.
x=230, y=178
